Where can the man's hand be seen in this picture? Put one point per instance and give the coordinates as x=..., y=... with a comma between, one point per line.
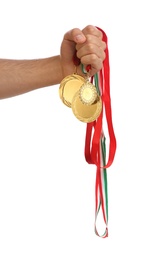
x=87, y=45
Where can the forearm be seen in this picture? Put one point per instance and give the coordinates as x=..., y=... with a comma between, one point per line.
x=21, y=76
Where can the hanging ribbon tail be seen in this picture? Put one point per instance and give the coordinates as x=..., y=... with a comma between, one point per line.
x=95, y=142
x=101, y=188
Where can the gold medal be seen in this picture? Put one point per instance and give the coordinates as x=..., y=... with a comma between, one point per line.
x=69, y=86
x=88, y=93
x=85, y=112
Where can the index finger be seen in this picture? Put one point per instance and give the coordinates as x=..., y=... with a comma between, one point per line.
x=90, y=29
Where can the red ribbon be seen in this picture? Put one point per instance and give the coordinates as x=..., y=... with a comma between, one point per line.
x=94, y=133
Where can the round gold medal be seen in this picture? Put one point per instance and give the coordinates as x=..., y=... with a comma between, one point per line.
x=84, y=112
x=69, y=86
x=88, y=93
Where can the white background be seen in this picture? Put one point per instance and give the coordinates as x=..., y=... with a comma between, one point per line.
x=46, y=187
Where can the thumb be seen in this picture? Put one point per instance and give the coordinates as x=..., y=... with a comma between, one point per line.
x=75, y=35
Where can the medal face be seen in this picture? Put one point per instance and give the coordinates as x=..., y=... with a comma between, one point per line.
x=69, y=86
x=88, y=93
x=84, y=112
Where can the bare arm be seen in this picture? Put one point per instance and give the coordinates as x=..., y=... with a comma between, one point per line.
x=21, y=76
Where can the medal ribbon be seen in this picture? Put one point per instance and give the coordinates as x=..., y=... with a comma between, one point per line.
x=95, y=146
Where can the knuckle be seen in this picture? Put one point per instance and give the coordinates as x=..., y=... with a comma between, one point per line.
x=103, y=45
x=103, y=55
x=90, y=29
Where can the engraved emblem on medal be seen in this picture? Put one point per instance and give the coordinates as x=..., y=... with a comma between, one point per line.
x=88, y=93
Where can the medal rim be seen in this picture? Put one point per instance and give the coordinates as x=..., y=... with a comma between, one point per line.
x=62, y=86
x=91, y=118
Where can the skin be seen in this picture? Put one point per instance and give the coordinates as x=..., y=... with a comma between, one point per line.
x=21, y=76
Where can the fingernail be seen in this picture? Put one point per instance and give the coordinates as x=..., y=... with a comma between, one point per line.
x=80, y=37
